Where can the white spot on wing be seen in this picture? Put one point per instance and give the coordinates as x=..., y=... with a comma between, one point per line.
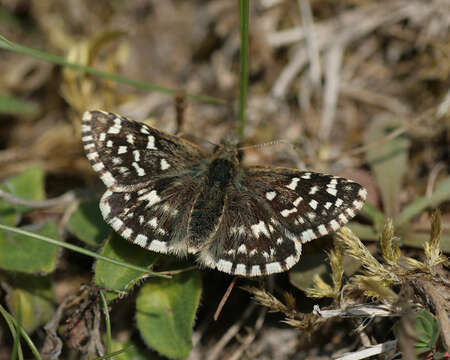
x=287, y=212
x=98, y=166
x=141, y=240
x=151, y=142
x=293, y=184
x=140, y=171
x=297, y=201
x=152, y=198
x=240, y=269
x=313, y=190
x=313, y=204
x=127, y=233
x=271, y=195
x=331, y=191
x=322, y=230
x=130, y=138
x=334, y=225
x=255, y=270
x=164, y=164
x=158, y=246
x=153, y=222
x=122, y=150
x=242, y=249
x=274, y=267
x=259, y=228
x=290, y=261
x=107, y=179
x=307, y=235
x=224, y=265
x=306, y=176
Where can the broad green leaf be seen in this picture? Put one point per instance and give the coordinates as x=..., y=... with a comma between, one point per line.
x=116, y=277
x=28, y=185
x=88, y=225
x=388, y=161
x=427, y=331
x=165, y=313
x=24, y=254
x=30, y=300
x=440, y=194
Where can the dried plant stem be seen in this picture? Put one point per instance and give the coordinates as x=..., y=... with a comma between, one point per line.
x=224, y=298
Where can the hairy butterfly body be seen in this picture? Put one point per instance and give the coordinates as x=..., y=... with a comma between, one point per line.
x=166, y=195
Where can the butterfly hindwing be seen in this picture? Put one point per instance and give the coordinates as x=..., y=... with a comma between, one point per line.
x=307, y=204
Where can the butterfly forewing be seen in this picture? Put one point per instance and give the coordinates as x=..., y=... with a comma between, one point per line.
x=165, y=195
x=150, y=177
x=127, y=153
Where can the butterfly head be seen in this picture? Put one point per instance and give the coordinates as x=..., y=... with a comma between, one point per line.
x=228, y=149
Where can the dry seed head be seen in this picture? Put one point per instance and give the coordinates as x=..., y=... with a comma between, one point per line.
x=321, y=289
x=432, y=250
x=357, y=250
x=375, y=288
x=389, y=244
x=336, y=267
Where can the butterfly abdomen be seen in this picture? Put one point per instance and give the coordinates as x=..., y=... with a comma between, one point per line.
x=208, y=206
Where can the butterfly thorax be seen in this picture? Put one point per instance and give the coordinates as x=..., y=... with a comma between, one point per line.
x=208, y=207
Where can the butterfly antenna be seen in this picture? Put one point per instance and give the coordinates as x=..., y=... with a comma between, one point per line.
x=269, y=143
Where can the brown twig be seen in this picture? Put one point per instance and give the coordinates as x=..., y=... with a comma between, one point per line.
x=224, y=298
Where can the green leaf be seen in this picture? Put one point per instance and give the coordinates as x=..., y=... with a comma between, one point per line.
x=22, y=253
x=388, y=161
x=116, y=277
x=165, y=313
x=12, y=106
x=30, y=300
x=88, y=225
x=427, y=331
x=28, y=185
x=440, y=194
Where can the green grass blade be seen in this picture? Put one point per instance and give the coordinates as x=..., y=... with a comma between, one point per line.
x=79, y=250
x=6, y=44
x=12, y=106
x=243, y=21
x=16, y=325
x=13, y=331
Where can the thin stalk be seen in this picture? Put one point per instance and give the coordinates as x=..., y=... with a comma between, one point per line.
x=6, y=44
x=243, y=21
x=79, y=250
